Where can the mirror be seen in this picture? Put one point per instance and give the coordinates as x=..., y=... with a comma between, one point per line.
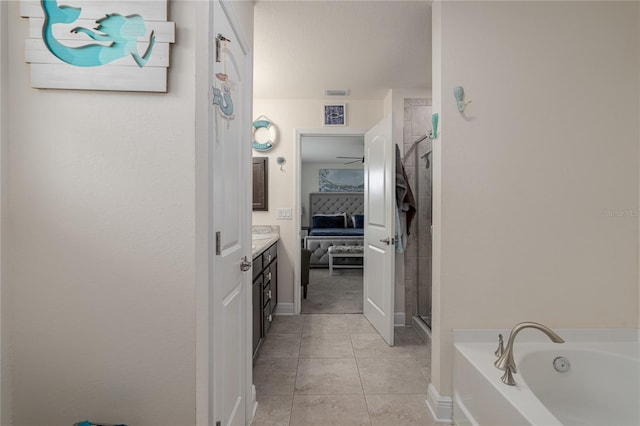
x=260, y=184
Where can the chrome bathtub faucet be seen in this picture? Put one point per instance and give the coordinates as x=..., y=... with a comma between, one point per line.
x=505, y=361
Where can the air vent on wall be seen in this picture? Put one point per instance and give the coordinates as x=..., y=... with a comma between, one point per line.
x=336, y=92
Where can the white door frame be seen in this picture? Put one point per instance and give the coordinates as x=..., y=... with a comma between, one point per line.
x=3, y=141
x=298, y=133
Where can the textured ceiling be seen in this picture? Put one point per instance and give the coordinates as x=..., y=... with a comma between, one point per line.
x=303, y=47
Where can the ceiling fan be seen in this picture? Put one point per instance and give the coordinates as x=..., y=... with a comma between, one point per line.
x=355, y=159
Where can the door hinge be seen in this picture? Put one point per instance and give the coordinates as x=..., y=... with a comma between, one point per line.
x=218, y=243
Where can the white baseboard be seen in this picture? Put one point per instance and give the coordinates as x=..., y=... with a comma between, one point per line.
x=398, y=319
x=440, y=407
x=253, y=402
x=421, y=328
x=284, y=309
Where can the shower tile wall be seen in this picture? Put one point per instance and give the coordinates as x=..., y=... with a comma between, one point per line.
x=417, y=121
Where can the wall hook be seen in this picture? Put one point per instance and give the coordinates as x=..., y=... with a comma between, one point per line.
x=458, y=93
x=281, y=162
x=220, y=38
x=433, y=133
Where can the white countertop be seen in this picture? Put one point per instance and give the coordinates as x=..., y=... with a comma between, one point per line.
x=263, y=243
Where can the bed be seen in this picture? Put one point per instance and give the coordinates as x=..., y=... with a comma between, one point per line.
x=323, y=209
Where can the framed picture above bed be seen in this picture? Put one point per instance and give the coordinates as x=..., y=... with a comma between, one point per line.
x=341, y=180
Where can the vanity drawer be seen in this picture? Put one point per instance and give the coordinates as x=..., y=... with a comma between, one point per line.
x=267, y=294
x=273, y=269
x=257, y=310
x=272, y=253
x=267, y=273
x=267, y=317
x=268, y=255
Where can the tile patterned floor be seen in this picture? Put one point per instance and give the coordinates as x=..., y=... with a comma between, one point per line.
x=340, y=293
x=335, y=370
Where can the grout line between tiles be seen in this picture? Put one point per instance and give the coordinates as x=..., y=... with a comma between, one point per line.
x=293, y=396
x=364, y=395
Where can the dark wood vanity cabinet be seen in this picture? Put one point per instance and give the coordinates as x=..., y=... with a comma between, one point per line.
x=257, y=315
x=265, y=293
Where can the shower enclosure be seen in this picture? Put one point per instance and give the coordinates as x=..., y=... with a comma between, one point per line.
x=417, y=163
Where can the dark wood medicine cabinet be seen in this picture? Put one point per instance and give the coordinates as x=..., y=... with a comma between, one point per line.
x=260, y=183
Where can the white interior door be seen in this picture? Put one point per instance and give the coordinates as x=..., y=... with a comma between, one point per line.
x=379, y=231
x=229, y=147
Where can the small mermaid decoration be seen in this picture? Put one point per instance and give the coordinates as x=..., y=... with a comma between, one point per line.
x=222, y=98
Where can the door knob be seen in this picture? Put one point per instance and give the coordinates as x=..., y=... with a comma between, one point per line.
x=388, y=241
x=245, y=264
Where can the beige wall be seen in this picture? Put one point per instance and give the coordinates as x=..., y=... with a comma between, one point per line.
x=98, y=275
x=101, y=237
x=287, y=115
x=536, y=185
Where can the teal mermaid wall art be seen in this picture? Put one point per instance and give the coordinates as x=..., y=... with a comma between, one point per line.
x=119, y=32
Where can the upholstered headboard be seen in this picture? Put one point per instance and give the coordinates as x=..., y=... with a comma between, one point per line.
x=335, y=202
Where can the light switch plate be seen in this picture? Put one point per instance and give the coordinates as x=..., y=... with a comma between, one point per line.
x=284, y=214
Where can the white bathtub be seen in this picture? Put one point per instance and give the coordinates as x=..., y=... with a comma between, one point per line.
x=602, y=386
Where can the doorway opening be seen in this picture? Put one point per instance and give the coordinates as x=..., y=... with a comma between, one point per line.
x=377, y=241
x=329, y=190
